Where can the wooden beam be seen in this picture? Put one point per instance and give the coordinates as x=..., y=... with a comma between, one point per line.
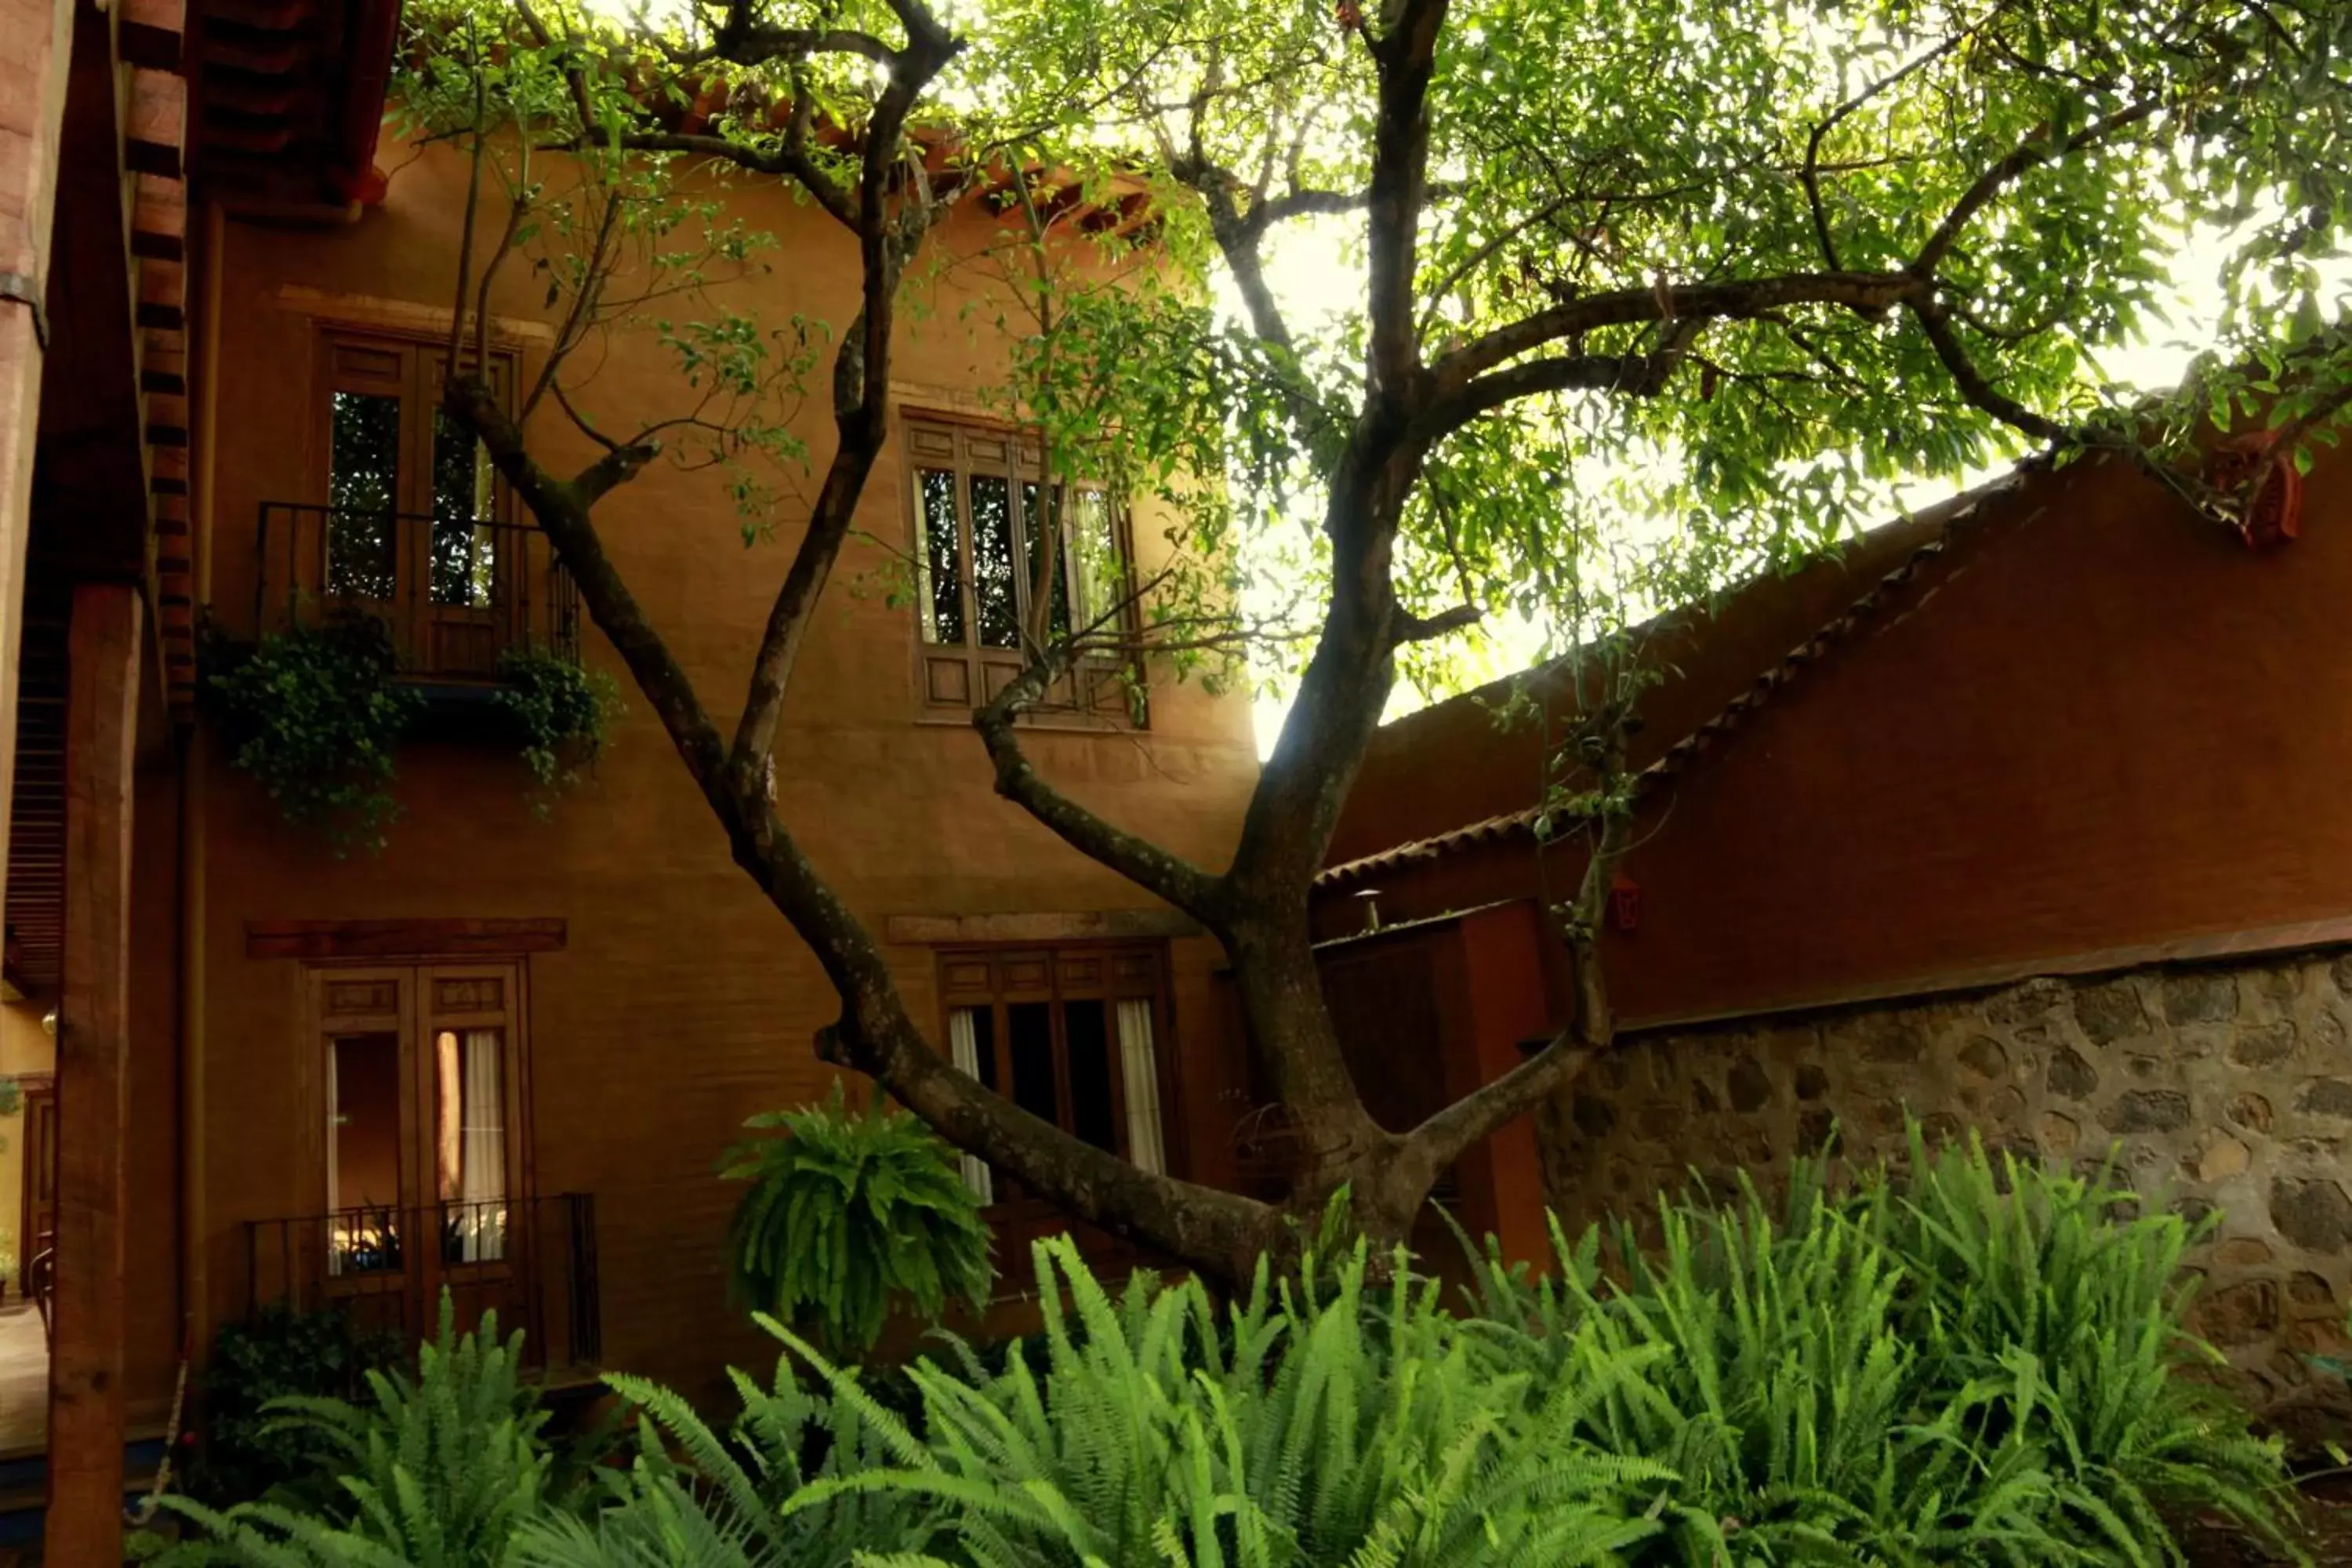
x=152, y=33
x=85, y=1503
x=159, y=219
x=156, y=128
x=162, y=296
x=327, y=940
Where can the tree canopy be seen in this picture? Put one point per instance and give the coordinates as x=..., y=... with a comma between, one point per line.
x=1723, y=268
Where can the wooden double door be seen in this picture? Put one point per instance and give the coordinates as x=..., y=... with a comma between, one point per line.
x=424, y=1143
x=415, y=529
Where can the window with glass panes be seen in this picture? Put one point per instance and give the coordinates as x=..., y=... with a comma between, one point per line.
x=412, y=502
x=1076, y=1035
x=421, y=1074
x=987, y=531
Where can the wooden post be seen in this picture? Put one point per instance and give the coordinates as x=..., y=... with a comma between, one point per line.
x=85, y=1512
x=1498, y=1005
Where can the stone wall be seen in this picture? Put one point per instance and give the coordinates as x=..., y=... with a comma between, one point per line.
x=2222, y=1091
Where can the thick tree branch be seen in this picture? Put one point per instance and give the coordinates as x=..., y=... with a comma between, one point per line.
x=861, y=387
x=739, y=40
x=1297, y=204
x=1974, y=385
x=1149, y=867
x=789, y=158
x=1341, y=693
x=562, y=508
x=1412, y=628
x=1625, y=375
x=1221, y=1232
x=1870, y=295
x=1809, y=174
x=1406, y=55
x=2029, y=155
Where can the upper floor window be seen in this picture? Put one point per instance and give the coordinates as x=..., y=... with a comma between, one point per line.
x=406, y=523
x=988, y=532
x=1071, y=1034
x=392, y=454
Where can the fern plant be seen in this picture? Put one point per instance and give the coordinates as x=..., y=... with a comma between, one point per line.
x=848, y=1212
x=1954, y=1362
x=1294, y=1431
x=2059, y=1287
x=434, y=1471
x=694, y=1496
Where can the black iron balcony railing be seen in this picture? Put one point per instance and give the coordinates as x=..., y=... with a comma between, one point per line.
x=532, y=1260
x=454, y=591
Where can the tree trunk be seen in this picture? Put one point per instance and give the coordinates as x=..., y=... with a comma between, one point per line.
x=1340, y=1147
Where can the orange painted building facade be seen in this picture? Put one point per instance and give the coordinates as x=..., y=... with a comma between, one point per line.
x=505, y=1053
x=675, y=1002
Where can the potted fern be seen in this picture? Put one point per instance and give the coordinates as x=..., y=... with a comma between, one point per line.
x=847, y=1213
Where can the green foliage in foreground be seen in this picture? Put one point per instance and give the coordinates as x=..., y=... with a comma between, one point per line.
x=250, y=1450
x=436, y=1471
x=850, y=1213
x=1957, y=1363
x=315, y=714
x=561, y=712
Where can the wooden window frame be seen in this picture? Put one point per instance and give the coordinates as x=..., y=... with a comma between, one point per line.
x=997, y=977
x=413, y=1002
x=406, y=368
x=951, y=681
x=415, y=383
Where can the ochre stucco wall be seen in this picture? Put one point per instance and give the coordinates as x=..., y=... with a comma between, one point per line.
x=26, y=1048
x=681, y=1003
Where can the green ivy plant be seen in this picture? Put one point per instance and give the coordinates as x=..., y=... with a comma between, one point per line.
x=849, y=1210
x=315, y=714
x=277, y=1354
x=562, y=711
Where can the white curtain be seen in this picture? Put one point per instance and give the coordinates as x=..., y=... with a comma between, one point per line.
x=963, y=1044
x=482, y=1157
x=1139, y=1073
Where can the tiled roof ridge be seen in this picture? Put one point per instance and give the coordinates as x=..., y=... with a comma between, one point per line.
x=1677, y=757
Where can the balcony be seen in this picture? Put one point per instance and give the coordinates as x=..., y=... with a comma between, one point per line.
x=454, y=591
x=533, y=1261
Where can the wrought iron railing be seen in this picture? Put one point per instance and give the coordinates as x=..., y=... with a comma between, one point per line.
x=532, y=1260
x=455, y=592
